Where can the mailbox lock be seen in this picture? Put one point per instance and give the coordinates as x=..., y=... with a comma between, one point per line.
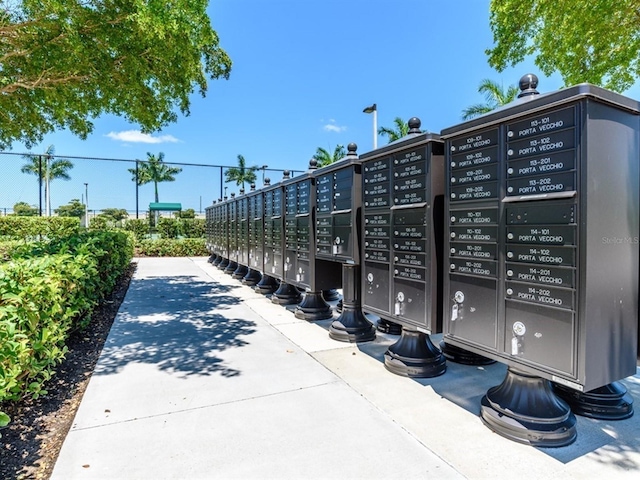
x=510, y=133
x=458, y=297
x=453, y=250
x=509, y=291
x=510, y=171
x=453, y=219
x=519, y=329
x=509, y=273
x=510, y=189
x=452, y=266
x=453, y=234
x=370, y=277
x=453, y=149
x=453, y=164
x=510, y=236
x=400, y=297
x=510, y=254
x=337, y=241
x=453, y=195
x=453, y=179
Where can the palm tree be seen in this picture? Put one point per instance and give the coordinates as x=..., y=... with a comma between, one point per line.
x=241, y=174
x=495, y=97
x=153, y=170
x=401, y=130
x=47, y=171
x=323, y=157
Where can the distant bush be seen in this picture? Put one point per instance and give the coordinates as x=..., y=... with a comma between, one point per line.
x=167, y=247
x=138, y=226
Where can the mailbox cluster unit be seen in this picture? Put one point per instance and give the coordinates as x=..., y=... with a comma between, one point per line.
x=514, y=234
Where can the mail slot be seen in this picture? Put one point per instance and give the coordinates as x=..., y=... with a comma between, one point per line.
x=402, y=233
x=543, y=251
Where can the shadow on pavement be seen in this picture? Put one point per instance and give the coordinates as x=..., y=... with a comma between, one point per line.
x=178, y=324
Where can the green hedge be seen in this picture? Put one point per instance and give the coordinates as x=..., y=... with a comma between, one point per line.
x=38, y=228
x=48, y=289
x=166, y=247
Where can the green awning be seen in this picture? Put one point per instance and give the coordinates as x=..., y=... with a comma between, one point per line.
x=165, y=207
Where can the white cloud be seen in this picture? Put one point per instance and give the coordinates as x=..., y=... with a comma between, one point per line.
x=332, y=127
x=136, y=136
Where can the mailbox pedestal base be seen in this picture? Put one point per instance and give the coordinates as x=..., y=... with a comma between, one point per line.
x=212, y=258
x=222, y=264
x=251, y=278
x=239, y=272
x=339, y=306
x=414, y=355
x=267, y=285
x=524, y=408
x=330, y=295
x=286, y=294
x=387, y=326
x=351, y=325
x=313, y=307
x=465, y=357
x=610, y=402
x=231, y=267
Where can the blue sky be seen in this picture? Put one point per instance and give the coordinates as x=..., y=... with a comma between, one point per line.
x=303, y=70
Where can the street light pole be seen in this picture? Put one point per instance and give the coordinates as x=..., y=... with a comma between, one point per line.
x=373, y=109
x=86, y=205
x=263, y=168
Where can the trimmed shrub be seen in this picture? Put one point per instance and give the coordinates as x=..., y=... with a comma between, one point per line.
x=38, y=228
x=48, y=289
x=166, y=247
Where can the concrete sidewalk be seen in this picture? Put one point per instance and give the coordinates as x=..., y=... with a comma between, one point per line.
x=202, y=378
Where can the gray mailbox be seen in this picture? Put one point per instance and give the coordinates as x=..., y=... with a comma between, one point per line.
x=337, y=241
x=301, y=268
x=232, y=234
x=403, y=191
x=255, y=233
x=221, y=234
x=542, y=238
x=242, y=236
x=272, y=240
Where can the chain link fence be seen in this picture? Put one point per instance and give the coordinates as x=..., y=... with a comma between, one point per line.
x=102, y=183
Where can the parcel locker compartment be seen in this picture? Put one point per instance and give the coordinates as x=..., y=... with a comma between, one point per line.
x=473, y=310
x=540, y=335
x=302, y=273
x=376, y=286
x=409, y=302
x=290, y=265
x=342, y=232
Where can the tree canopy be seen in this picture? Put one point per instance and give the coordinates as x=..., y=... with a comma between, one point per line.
x=153, y=170
x=323, y=157
x=65, y=63
x=23, y=209
x=400, y=130
x=495, y=96
x=241, y=174
x=595, y=41
x=75, y=208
